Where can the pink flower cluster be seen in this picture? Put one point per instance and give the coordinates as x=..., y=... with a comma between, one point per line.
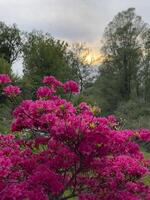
x=11, y=91
x=66, y=152
x=45, y=92
x=4, y=78
x=69, y=86
x=52, y=81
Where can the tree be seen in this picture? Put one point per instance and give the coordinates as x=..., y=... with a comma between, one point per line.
x=10, y=42
x=145, y=69
x=123, y=54
x=106, y=89
x=81, y=67
x=43, y=55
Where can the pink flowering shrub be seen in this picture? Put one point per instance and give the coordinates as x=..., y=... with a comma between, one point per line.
x=66, y=152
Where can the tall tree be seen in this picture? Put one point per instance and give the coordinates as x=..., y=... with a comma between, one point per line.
x=145, y=69
x=123, y=55
x=122, y=48
x=43, y=55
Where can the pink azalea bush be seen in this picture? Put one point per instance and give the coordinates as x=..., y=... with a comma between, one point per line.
x=66, y=152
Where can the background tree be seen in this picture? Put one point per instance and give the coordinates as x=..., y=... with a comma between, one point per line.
x=81, y=66
x=145, y=69
x=10, y=42
x=119, y=73
x=43, y=55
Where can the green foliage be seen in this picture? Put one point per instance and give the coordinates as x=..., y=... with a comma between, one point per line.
x=119, y=75
x=105, y=90
x=145, y=69
x=134, y=114
x=146, y=154
x=44, y=55
x=83, y=98
x=5, y=117
x=10, y=42
x=5, y=67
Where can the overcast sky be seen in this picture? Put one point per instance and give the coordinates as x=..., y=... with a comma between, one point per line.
x=70, y=20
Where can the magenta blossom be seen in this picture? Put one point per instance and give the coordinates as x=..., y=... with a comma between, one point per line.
x=11, y=91
x=4, y=78
x=144, y=134
x=52, y=81
x=45, y=92
x=71, y=86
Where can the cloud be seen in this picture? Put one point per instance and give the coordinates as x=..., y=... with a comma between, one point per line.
x=70, y=20
x=73, y=20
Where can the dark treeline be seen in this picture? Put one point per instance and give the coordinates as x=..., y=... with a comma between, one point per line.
x=122, y=85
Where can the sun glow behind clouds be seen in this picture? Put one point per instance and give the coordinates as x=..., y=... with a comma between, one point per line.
x=94, y=58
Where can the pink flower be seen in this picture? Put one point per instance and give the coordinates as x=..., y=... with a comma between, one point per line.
x=144, y=134
x=11, y=90
x=45, y=92
x=4, y=78
x=71, y=86
x=52, y=81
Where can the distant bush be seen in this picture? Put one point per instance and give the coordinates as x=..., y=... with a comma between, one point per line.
x=133, y=114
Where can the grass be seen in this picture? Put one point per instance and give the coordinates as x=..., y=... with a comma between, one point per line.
x=147, y=156
x=146, y=153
